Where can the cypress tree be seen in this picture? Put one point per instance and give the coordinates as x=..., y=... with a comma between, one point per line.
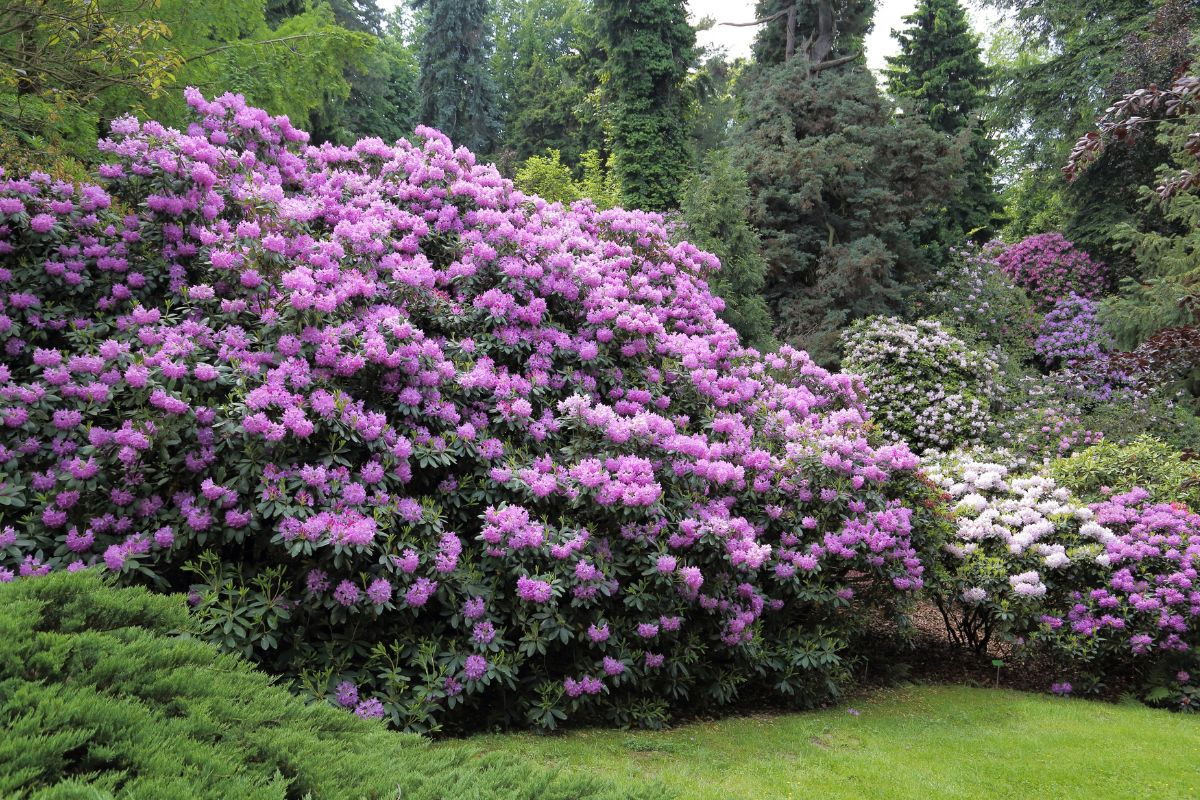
x=939, y=75
x=458, y=95
x=650, y=46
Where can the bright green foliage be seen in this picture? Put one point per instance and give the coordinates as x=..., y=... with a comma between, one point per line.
x=910, y=743
x=98, y=699
x=457, y=91
x=649, y=46
x=57, y=58
x=549, y=178
x=715, y=205
x=1146, y=462
x=940, y=76
x=841, y=241
x=547, y=65
x=66, y=65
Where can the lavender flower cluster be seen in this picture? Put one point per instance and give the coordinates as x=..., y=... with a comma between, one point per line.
x=437, y=450
x=1071, y=334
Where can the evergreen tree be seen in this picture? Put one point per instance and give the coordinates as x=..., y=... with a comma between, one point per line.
x=715, y=207
x=457, y=93
x=842, y=193
x=649, y=46
x=939, y=75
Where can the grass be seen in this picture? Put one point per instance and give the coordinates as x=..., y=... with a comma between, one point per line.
x=915, y=742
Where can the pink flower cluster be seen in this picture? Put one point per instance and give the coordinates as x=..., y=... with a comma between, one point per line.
x=1049, y=267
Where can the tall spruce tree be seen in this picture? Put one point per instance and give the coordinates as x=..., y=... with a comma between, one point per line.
x=842, y=193
x=649, y=46
x=458, y=95
x=939, y=75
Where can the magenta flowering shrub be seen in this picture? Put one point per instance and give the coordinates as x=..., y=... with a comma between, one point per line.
x=436, y=450
x=1050, y=267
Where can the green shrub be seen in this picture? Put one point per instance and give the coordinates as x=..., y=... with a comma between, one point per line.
x=1146, y=462
x=98, y=700
x=549, y=178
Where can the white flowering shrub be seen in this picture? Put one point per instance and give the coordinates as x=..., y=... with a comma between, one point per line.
x=1018, y=544
x=925, y=386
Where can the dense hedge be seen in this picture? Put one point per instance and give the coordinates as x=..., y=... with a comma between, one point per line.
x=98, y=700
x=438, y=451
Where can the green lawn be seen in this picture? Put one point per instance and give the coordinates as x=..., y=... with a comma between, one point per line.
x=915, y=742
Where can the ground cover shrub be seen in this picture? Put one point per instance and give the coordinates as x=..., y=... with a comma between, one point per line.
x=925, y=386
x=431, y=448
x=1098, y=472
x=99, y=699
x=1050, y=267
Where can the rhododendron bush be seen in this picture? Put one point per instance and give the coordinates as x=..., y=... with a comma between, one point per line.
x=1107, y=591
x=926, y=386
x=438, y=451
x=1049, y=267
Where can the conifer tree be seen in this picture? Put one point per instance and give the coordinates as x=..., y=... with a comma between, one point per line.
x=650, y=46
x=939, y=75
x=714, y=206
x=458, y=95
x=842, y=193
